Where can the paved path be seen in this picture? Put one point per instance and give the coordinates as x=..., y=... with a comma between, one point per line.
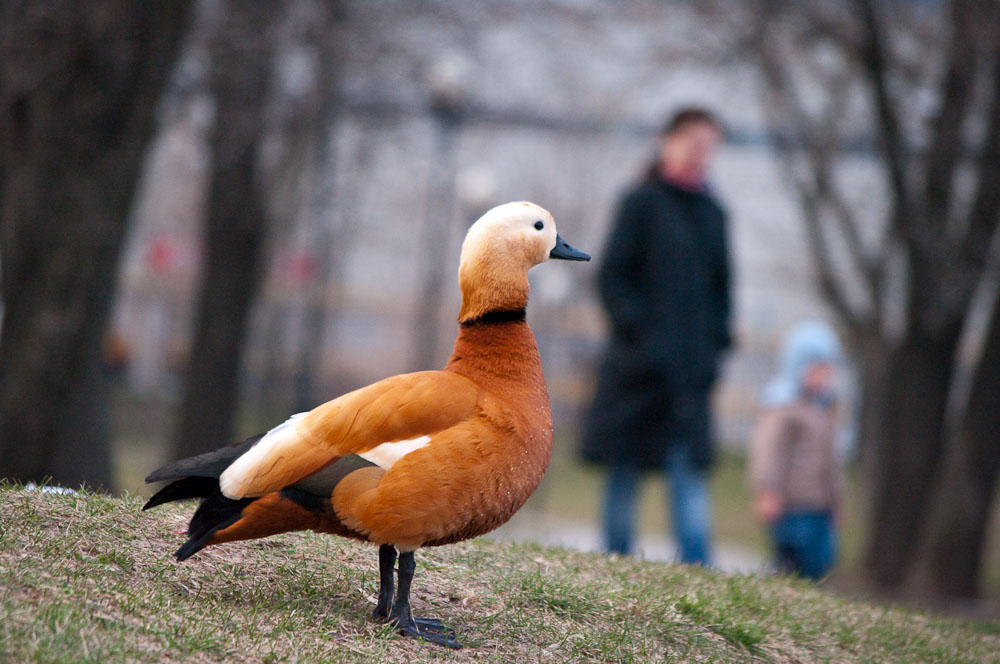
x=531, y=526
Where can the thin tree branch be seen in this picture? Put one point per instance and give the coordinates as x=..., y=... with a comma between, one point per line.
x=874, y=60
x=843, y=215
x=946, y=144
x=847, y=224
x=818, y=244
x=820, y=248
x=788, y=111
x=985, y=211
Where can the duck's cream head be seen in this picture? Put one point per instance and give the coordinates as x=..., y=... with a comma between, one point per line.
x=498, y=251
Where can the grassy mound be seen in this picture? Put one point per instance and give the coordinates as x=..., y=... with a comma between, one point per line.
x=90, y=578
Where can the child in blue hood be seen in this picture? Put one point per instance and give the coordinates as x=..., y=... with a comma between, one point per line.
x=794, y=475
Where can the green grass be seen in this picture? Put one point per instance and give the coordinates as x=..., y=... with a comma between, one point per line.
x=90, y=578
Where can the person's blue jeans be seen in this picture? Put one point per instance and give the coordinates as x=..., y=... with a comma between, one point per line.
x=690, y=506
x=805, y=543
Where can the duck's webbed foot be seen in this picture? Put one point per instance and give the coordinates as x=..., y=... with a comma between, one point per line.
x=428, y=629
x=433, y=626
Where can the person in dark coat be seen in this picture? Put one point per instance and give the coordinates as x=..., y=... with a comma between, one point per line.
x=665, y=284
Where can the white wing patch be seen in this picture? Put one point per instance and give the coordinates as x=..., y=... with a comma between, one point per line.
x=273, y=440
x=387, y=454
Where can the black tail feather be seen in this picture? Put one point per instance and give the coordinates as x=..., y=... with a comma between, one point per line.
x=192, y=546
x=198, y=477
x=184, y=489
x=215, y=513
x=209, y=464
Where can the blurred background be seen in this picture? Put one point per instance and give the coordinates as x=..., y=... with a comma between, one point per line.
x=216, y=213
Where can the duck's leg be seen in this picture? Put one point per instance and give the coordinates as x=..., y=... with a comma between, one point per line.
x=386, y=589
x=429, y=629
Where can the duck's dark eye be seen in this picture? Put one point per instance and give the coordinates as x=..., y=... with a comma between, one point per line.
x=539, y=225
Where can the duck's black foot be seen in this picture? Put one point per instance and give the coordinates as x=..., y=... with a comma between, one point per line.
x=428, y=629
x=433, y=625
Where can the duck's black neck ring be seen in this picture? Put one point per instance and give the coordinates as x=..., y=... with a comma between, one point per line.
x=494, y=317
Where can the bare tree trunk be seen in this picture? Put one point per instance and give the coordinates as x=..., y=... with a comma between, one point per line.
x=909, y=452
x=241, y=52
x=871, y=409
x=338, y=239
x=950, y=558
x=328, y=239
x=436, y=231
x=309, y=131
x=78, y=95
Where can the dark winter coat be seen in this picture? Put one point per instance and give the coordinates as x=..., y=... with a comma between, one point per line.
x=665, y=284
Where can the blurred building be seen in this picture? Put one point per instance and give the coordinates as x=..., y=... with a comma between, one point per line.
x=446, y=108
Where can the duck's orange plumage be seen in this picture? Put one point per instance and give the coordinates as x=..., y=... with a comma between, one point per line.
x=414, y=460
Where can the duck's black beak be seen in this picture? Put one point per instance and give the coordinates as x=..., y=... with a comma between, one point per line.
x=565, y=252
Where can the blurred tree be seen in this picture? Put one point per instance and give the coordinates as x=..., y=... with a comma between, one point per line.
x=79, y=85
x=268, y=105
x=924, y=81
x=240, y=51
x=949, y=559
x=302, y=180
x=447, y=96
x=333, y=239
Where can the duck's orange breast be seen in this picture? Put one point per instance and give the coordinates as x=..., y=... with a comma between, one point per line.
x=471, y=477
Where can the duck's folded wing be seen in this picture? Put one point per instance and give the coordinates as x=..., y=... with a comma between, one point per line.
x=384, y=421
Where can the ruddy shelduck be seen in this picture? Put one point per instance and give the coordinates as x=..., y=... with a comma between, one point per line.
x=415, y=460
